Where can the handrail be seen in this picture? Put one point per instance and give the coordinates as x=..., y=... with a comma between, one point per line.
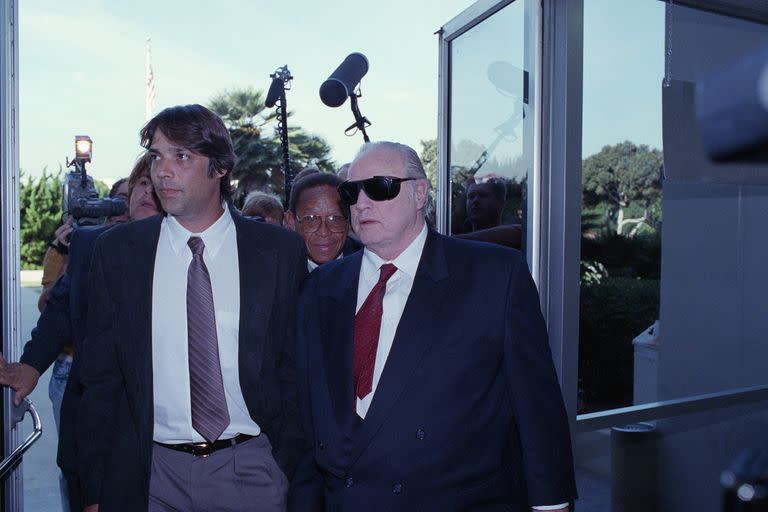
x=669, y=408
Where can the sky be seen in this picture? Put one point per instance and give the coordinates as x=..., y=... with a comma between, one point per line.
x=82, y=70
x=623, y=72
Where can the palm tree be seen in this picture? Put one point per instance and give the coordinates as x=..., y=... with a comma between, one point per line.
x=259, y=165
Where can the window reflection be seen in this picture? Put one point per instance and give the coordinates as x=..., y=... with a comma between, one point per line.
x=490, y=142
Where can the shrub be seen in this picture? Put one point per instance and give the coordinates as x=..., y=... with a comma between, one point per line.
x=638, y=256
x=40, y=201
x=613, y=312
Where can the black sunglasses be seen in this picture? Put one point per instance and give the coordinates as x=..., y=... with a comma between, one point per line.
x=378, y=188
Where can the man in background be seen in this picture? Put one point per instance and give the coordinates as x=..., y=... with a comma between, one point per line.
x=315, y=211
x=264, y=206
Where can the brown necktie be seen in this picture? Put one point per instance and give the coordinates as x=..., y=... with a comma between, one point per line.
x=367, y=327
x=210, y=415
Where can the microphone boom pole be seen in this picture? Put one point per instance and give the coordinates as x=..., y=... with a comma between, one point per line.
x=276, y=95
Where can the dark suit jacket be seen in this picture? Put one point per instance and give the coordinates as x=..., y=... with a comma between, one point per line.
x=351, y=246
x=468, y=413
x=116, y=416
x=63, y=321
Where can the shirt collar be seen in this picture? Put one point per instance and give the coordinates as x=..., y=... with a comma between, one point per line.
x=407, y=262
x=213, y=237
x=311, y=265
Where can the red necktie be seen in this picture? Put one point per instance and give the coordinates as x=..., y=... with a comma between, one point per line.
x=367, y=327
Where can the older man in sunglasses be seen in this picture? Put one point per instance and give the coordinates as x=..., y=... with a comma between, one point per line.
x=316, y=212
x=424, y=369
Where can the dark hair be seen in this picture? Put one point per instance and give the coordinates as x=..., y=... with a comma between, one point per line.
x=313, y=180
x=140, y=168
x=498, y=187
x=201, y=131
x=115, y=186
x=305, y=172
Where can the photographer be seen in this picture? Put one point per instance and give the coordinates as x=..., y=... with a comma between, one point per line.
x=55, y=259
x=64, y=319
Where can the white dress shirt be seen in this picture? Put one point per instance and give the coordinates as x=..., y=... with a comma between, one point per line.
x=311, y=265
x=396, y=295
x=398, y=289
x=170, y=362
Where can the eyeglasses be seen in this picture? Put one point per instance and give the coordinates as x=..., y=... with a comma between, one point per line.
x=335, y=223
x=378, y=188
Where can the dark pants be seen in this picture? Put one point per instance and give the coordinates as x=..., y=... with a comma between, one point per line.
x=243, y=477
x=73, y=488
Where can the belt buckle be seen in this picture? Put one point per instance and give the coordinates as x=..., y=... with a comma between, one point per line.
x=203, y=450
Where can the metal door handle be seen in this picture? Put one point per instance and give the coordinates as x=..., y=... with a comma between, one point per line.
x=17, y=414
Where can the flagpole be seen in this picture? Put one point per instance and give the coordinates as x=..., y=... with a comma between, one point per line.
x=149, y=105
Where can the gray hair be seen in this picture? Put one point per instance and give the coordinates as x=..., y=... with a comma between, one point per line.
x=413, y=166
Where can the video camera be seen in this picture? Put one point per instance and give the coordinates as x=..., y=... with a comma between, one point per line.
x=79, y=197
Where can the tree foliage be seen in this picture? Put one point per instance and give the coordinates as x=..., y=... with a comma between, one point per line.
x=40, y=201
x=257, y=145
x=627, y=179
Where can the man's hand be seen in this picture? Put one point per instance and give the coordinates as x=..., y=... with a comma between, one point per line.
x=92, y=508
x=63, y=232
x=21, y=377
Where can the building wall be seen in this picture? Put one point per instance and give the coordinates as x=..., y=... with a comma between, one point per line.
x=714, y=326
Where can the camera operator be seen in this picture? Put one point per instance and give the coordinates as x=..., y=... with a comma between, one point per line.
x=64, y=319
x=55, y=259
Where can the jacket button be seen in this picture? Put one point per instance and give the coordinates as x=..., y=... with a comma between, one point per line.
x=349, y=482
x=397, y=488
x=321, y=445
x=420, y=434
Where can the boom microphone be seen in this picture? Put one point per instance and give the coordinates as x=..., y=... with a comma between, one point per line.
x=732, y=110
x=274, y=92
x=343, y=80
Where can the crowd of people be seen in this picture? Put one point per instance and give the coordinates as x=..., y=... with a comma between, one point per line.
x=338, y=355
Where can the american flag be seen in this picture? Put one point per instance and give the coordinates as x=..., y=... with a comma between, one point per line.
x=151, y=95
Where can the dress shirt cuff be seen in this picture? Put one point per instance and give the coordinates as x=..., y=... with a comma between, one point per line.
x=550, y=507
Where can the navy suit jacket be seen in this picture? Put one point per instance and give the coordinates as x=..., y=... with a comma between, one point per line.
x=116, y=416
x=468, y=414
x=63, y=321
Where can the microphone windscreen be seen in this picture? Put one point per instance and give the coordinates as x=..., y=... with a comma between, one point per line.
x=275, y=88
x=506, y=77
x=342, y=82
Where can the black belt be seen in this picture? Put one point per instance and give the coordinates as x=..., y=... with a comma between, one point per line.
x=205, y=449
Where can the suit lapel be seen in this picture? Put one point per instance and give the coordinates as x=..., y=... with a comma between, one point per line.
x=412, y=339
x=139, y=263
x=257, y=285
x=338, y=344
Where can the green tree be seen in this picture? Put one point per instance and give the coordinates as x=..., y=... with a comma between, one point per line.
x=627, y=178
x=429, y=159
x=101, y=188
x=257, y=146
x=40, y=201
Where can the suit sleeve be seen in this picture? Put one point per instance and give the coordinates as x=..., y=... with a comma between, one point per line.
x=537, y=401
x=53, y=330
x=101, y=379
x=306, y=490
x=291, y=439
